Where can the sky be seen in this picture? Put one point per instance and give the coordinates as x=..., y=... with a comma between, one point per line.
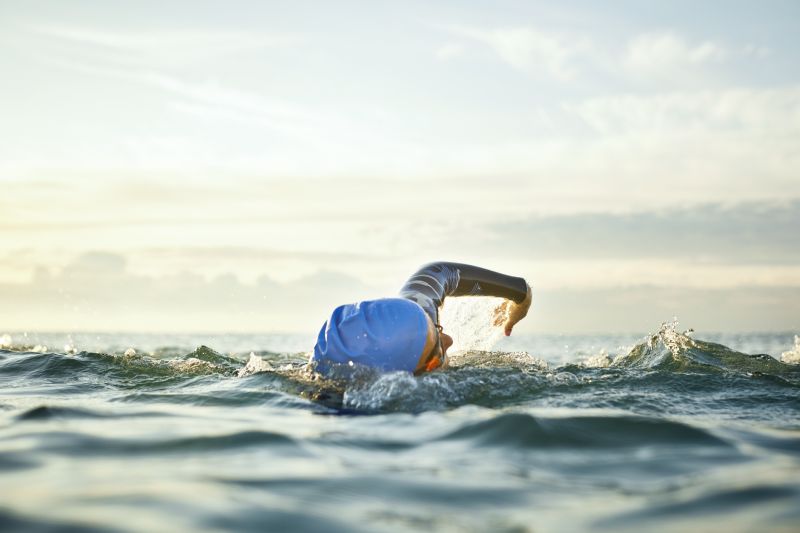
x=247, y=166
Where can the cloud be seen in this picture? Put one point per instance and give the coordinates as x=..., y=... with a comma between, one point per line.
x=763, y=111
x=563, y=55
x=95, y=264
x=669, y=54
x=640, y=309
x=702, y=247
x=173, y=46
x=213, y=93
x=761, y=233
x=757, y=51
x=252, y=253
x=159, y=59
x=261, y=129
x=449, y=51
x=211, y=99
x=531, y=50
x=96, y=292
x=667, y=47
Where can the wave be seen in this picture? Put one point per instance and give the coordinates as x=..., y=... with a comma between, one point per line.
x=73, y=443
x=668, y=349
x=645, y=378
x=80, y=371
x=666, y=362
x=520, y=430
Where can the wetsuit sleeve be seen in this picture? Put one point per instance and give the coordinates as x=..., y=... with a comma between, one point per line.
x=433, y=282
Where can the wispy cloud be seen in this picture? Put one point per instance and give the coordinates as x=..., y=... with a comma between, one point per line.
x=530, y=50
x=668, y=48
x=210, y=98
x=145, y=60
x=564, y=54
x=449, y=51
x=668, y=56
x=758, y=51
x=168, y=45
x=207, y=96
x=765, y=111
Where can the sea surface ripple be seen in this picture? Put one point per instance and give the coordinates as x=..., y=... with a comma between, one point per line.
x=544, y=433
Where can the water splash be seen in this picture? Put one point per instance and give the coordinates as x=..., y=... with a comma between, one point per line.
x=792, y=357
x=469, y=320
x=492, y=359
x=255, y=364
x=599, y=360
x=400, y=391
x=69, y=346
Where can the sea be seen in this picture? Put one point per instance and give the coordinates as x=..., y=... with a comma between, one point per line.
x=667, y=430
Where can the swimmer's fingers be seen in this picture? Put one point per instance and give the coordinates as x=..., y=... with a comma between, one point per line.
x=517, y=311
x=500, y=314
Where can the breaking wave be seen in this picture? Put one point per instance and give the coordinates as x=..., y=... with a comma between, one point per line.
x=666, y=362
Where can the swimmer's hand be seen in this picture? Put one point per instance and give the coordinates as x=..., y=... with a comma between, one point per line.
x=508, y=313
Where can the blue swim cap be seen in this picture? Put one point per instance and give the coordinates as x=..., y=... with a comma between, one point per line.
x=386, y=334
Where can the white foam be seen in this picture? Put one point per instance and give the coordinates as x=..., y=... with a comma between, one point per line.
x=254, y=365
x=194, y=365
x=792, y=357
x=432, y=390
x=70, y=348
x=600, y=360
x=562, y=378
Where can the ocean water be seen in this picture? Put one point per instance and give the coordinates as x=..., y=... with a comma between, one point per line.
x=659, y=431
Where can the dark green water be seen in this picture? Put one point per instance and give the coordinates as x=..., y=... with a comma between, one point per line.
x=668, y=434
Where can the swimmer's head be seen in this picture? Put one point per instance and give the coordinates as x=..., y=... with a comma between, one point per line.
x=434, y=354
x=387, y=334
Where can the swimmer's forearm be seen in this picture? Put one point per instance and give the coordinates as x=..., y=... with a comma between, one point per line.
x=429, y=285
x=477, y=281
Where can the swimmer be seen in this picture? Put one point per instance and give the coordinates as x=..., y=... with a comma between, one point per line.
x=403, y=333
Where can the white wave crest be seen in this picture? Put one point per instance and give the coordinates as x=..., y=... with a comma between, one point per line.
x=255, y=364
x=600, y=360
x=792, y=357
x=400, y=388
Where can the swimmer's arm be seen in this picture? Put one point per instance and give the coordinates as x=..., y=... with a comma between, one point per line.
x=516, y=291
x=477, y=281
x=433, y=282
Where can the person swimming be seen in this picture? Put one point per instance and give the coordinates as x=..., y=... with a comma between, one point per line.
x=403, y=333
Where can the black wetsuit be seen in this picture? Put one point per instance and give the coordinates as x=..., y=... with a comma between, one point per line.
x=433, y=282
